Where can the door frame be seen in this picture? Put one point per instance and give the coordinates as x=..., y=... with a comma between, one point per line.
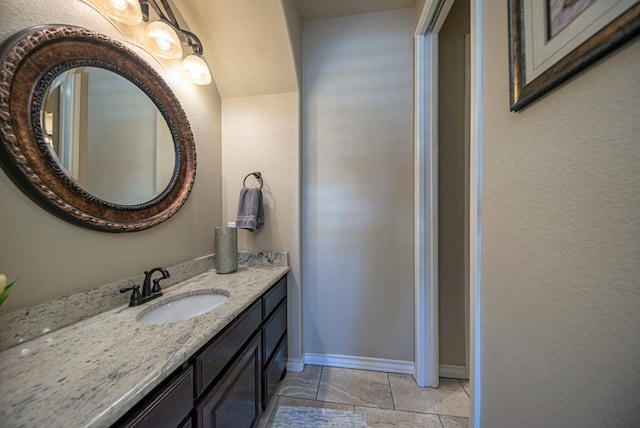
x=426, y=364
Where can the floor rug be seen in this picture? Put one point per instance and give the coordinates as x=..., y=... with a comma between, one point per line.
x=311, y=417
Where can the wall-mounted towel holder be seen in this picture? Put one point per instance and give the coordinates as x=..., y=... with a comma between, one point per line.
x=257, y=175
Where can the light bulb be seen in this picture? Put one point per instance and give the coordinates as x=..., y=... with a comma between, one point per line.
x=195, y=70
x=124, y=11
x=119, y=4
x=163, y=45
x=161, y=40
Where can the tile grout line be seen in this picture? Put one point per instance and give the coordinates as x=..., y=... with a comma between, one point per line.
x=463, y=388
x=393, y=400
x=319, y=380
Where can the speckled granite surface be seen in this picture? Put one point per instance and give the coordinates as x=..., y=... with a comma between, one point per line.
x=262, y=258
x=90, y=373
x=28, y=323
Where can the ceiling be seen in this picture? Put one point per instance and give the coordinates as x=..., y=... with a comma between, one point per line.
x=247, y=43
x=321, y=9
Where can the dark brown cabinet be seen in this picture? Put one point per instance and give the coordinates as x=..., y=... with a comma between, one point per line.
x=273, y=371
x=167, y=406
x=235, y=401
x=211, y=361
x=274, y=339
x=229, y=381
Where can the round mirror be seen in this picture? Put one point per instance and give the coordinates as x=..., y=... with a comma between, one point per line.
x=107, y=135
x=90, y=131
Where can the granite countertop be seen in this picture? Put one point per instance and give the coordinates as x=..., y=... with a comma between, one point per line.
x=92, y=372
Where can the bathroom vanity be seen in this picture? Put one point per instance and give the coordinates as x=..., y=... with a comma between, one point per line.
x=216, y=369
x=230, y=380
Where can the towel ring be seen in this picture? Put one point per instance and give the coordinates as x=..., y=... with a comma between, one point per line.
x=258, y=177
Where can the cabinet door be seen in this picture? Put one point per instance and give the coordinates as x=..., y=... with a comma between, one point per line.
x=274, y=371
x=212, y=360
x=234, y=402
x=273, y=330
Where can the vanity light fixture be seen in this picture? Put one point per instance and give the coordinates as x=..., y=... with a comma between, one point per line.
x=161, y=40
x=195, y=70
x=124, y=11
x=163, y=37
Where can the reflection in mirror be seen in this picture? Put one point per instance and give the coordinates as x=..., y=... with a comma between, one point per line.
x=108, y=136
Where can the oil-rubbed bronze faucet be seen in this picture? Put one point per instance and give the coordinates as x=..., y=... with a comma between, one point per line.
x=148, y=292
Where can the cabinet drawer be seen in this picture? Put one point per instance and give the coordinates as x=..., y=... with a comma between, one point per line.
x=210, y=363
x=274, y=296
x=273, y=330
x=167, y=407
x=274, y=371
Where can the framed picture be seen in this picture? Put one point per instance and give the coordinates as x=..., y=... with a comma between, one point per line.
x=551, y=40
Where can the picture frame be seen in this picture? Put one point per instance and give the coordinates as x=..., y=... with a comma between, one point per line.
x=550, y=42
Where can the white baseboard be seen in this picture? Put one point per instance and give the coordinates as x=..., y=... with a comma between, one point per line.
x=374, y=364
x=453, y=372
x=295, y=365
x=361, y=363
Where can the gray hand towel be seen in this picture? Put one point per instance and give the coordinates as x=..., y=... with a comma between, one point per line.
x=250, y=209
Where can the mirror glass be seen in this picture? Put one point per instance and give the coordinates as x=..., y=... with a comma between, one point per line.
x=107, y=135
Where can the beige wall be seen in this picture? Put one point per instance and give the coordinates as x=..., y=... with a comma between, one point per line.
x=560, y=244
x=451, y=185
x=294, y=29
x=357, y=214
x=261, y=133
x=53, y=258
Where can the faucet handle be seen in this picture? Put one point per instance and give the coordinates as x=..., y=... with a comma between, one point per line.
x=156, y=282
x=156, y=286
x=136, y=297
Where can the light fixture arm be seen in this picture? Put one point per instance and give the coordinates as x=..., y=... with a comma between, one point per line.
x=166, y=14
x=145, y=4
x=169, y=12
x=193, y=41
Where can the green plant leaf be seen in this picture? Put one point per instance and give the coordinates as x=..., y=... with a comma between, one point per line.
x=6, y=292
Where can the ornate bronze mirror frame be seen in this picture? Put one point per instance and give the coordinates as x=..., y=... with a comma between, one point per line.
x=29, y=62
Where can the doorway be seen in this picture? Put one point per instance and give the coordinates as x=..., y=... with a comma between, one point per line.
x=426, y=167
x=453, y=194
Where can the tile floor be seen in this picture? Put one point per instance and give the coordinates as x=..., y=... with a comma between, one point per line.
x=387, y=399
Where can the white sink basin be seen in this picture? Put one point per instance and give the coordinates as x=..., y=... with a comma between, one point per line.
x=183, y=308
